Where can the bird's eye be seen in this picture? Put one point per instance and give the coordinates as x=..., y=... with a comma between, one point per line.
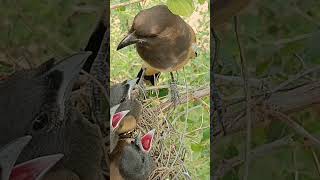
x=122, y=100
x=152, y=35
x=196, y=54
x=40, y=122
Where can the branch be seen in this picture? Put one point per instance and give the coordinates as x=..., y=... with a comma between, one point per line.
x=295, y=126
x=287, y=102
x=194, y=95
x=237, y=81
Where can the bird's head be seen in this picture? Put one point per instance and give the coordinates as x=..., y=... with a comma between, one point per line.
x=34, y=101
x=148, y=25
x=122, y=91
x=117, y=118
x=136, y=162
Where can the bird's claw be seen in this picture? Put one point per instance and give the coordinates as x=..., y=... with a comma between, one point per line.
x=175, y=97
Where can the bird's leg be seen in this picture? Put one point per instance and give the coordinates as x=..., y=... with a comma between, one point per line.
x=140, y=82
x=175, y=98
x=142, y=76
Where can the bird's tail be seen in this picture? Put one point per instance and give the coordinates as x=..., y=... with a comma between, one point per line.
x=151, y=78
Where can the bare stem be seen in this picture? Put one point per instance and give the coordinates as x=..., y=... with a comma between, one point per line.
x=244, y=72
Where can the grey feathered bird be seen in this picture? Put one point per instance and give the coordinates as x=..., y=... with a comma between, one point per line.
x=131, y=159
x=30, y=170
x=121, y=94
x=36, y=102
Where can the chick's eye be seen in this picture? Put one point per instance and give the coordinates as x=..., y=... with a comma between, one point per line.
x=40, y=122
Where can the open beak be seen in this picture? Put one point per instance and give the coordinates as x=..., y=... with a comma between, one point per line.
x=10, y=153
x=128, y=40
x=34, y=169
x=131, y=84
x=146, y=141
x=117, y=118
x=114, y=109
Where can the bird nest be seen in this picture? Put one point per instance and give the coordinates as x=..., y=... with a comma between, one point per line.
x=168, y=150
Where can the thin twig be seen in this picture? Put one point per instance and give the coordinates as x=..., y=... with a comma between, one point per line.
x=295, y=126
x=244, y=72
x=295, y=78
x=316, y=160
x=285, y=41
x=216, y=99
x=196, y=94
x=294, y=157
x=126, y=4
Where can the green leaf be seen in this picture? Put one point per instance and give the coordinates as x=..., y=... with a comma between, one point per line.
x=205, y=135
x=196, y=147
x=201, y=1
x=181, y=7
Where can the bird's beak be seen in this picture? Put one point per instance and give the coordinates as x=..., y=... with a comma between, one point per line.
x=68, y=69
x=114, y=109
x=128, y=40
x=117, y=118
x=146, y=141
x=34, y=169
x=9, y=154
x=131, y=84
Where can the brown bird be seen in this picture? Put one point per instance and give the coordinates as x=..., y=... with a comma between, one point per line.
x=121, y=94
x=131, y=160
x=224, y=10
x=163, y=40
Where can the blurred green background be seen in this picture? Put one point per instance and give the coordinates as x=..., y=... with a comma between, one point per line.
x=280, y=40
x=126, y=63
x=32, y=31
